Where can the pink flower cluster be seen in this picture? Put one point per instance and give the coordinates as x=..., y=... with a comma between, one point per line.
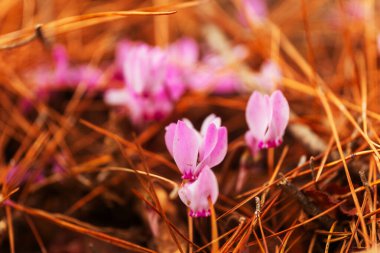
x=147, y=93
x=151, y=79
x=150, y=86
x=64, y=76
x=195, y=153
x=155, y=78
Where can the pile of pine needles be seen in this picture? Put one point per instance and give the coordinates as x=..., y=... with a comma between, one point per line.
x=317, y=192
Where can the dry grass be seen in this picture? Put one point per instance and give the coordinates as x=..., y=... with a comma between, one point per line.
x=116, y=176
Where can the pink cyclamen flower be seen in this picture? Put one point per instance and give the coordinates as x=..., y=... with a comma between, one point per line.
x=143, y=67
x=147, y=70
x=269, y=76
x=196, y=194
x=192, y=150
x=150, y=84
x=267, y=118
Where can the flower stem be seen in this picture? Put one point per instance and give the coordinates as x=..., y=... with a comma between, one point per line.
x=191, y=239
x=214, y=229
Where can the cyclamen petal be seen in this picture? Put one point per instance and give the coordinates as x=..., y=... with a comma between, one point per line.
x=188, y=123
x=267, y=118
x=212, y=118
x=169, y=137
x=208, y=143
x=188, y=49
x=196, y=194
x=258, y=114
x=280, y=118
x=175, y=83
x=144, y=67
x=218, y=151
x=185, y=149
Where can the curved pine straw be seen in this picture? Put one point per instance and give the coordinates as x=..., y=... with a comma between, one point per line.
x=163, y=179
x=67, y=24
x=56, y=27
x=329, y=237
